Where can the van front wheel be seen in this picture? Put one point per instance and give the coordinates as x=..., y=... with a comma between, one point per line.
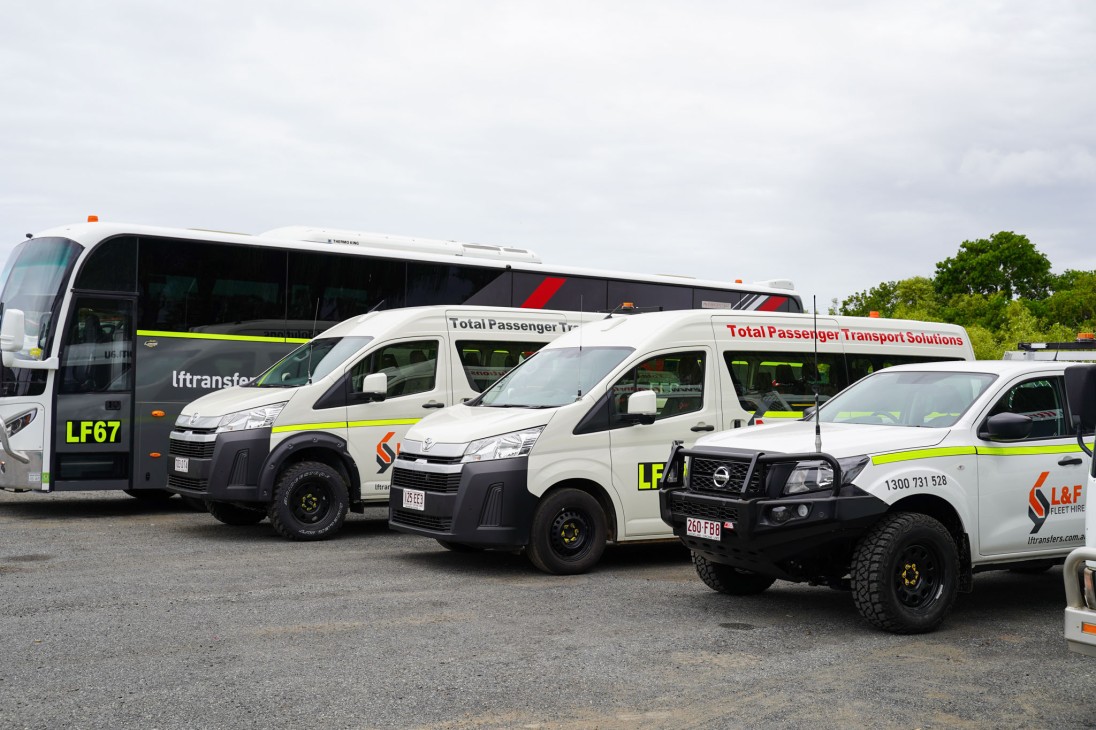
x=568, y=534
x=310, y=502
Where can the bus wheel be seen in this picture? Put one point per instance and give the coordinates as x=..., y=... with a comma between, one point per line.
x=310, y=502
x=905, y=573
x=231, y=514
x=150, y=495
x=568, y=534
x=460, y=547
x=729, y=579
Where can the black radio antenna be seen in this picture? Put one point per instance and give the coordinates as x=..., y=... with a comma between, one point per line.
x=817, y=378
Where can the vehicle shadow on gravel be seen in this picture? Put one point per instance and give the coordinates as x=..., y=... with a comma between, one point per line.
x=50, y=507
x=363, y=527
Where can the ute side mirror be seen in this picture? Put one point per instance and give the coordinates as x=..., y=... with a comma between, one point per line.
x=642, y=407
x=12, y=335
x=1081, y=395
x=374, y=388
x=1007, y=427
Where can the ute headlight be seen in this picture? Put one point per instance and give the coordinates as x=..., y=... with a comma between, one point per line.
x=504, y=446
x=251, y=418
x=817, y=476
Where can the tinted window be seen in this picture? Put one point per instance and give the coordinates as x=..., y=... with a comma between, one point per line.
x=445, y=283
x=98, y=348
x=487, y=361
x=1040, y=400
x=193, y=286
x=329, y=288
x=677, y=378
x=411, y=367
x=643, y=295
x=111, y=266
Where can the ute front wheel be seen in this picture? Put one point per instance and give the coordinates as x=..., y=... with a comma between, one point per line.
x=568, y=534
x=310, y=502
x=905, y=573
x=231, y=514
x=729, y=579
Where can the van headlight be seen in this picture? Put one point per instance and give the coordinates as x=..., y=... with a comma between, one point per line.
x=504, y=446
x=817, y=476
x=251, y=418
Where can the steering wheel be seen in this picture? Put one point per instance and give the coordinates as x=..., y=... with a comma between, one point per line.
x=888, y=416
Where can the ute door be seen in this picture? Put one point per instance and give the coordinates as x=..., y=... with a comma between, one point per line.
x=1031, y=494
x=417, y=386
x=93, y=430
x=686, y=383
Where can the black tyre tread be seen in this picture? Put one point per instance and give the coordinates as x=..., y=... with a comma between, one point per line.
x=541, y=554
x=231, y=514
x=279, y=522
x=730, y=580
x=868, y=564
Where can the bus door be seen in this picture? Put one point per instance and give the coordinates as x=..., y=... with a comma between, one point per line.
x=92, y=431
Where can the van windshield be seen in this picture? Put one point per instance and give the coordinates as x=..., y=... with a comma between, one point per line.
x=553, y=377
x=311, y=361
x=904, y=398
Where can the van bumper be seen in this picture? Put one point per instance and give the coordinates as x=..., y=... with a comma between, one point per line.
x=485, y=504
x=224, y=468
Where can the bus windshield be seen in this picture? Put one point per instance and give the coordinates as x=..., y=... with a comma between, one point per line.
x=930, y=399
x=311, y=361
x=553, y=377
x=33, y=283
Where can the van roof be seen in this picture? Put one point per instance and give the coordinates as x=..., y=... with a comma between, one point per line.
x=433, y=317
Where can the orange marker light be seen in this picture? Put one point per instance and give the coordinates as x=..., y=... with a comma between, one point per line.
x=93, y=219
x=158, y=414
x=155, y=454
x=1087, y=628
x=873, y=313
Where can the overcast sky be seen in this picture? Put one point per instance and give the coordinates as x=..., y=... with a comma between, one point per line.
x=839, y=144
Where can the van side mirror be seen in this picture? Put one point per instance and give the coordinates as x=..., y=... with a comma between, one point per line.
x=12, y=335
x=642, y=407
x=1007, y=427
x=374, y=388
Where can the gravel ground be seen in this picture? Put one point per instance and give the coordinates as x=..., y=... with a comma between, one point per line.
x=117, y=613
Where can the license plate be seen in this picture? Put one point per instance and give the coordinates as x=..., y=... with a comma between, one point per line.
x=702, y=528
x=414, y=499
x=182, y=465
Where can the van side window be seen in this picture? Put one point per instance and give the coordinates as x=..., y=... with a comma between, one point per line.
x=485, y=361
x=677, y=378
x=787, y=379
x=411, y=367
x=1041, y=400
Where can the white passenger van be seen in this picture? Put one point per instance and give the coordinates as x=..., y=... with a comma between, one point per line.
x=566, y=451
x=317, y=433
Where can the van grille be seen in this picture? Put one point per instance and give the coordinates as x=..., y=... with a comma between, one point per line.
x=417, y=519
x=197, y=485
x=193, y=449
x=427, y=481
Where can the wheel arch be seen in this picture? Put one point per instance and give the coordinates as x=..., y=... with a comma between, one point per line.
x=945, y=513
x=320, y=446
x=596, y=491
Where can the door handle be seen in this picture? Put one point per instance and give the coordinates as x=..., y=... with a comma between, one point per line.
x=433, y=404
x=1069, y=461
x=702, y=427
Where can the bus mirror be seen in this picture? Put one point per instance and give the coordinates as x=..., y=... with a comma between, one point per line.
x=375, y=386
x=12, y=334
x=1081, y=395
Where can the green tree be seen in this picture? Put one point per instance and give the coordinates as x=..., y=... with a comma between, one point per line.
x=1005, y=263
x=877, y=299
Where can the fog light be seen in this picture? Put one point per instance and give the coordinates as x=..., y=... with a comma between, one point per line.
x=780, y=515
x=802, y=510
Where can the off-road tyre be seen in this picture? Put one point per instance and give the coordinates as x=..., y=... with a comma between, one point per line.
x=152, y=496
x=568, y=533
x=729, y=579
x=310, y=502
x=905, y=573
x=460, y=547
x=231, y=514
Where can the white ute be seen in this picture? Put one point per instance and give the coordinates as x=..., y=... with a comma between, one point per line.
x=923, y=476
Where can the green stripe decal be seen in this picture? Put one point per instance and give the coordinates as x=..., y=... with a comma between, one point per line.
x=385, y=422
x=782, y=414
x=310, y=427
x=1028, y=450
x=209, y=336
x=923, y=454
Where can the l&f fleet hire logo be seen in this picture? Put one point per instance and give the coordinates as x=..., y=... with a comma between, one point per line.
x=1062, y=500
x=385, y=454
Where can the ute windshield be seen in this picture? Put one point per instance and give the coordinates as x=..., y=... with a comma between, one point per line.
x=311, y=361
x=926, y=399
x=553, y=377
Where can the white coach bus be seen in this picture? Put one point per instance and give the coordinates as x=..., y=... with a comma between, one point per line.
x=109, y=329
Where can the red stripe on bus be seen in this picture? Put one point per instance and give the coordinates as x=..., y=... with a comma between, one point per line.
x=772, y=304
x=543, y=293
